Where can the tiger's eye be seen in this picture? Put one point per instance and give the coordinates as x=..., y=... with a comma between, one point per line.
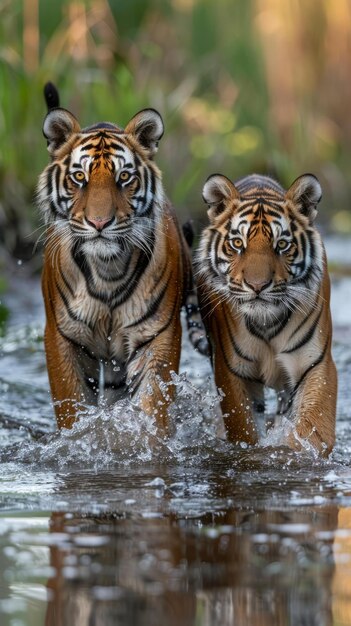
x=236, y=243
x=124, y=176
x=79, y=176
x=283, y=245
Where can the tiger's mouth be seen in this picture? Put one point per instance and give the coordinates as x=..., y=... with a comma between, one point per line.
x=259, y=309
x=264, y=300
x=109, y=234
x=121, y=241
x=103, y=245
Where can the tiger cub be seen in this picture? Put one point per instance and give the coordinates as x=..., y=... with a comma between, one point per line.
x=117, y=269
x=264, y=294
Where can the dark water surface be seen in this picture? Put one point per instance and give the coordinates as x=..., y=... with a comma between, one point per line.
x=104, y=525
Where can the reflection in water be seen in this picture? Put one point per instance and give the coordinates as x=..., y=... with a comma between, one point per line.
x=341, y=588
x=245, y=567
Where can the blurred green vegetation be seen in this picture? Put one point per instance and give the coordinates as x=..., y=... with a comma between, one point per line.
x=242, y=85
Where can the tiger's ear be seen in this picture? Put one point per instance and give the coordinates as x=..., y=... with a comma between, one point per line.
x=305, y=193
x=59, y=126
x=147, y=127
x=217, y=192
x=51, y=96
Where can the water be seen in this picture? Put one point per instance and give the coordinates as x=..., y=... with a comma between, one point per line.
x=105, y=525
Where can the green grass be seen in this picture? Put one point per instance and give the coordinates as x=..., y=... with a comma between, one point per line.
x=200, y=63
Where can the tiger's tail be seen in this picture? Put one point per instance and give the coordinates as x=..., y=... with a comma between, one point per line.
x=196, y=329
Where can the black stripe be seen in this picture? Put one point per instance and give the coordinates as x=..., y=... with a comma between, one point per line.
x=50, y=174
x=319, y=360
x=67, y=285
x=53, y=207
x=149, y=187
x=216, y=242
x=154, y=304
x=232, y=369
x=153, y=183
x=77, y=345
x=116, y=147
x=237, y=348
x=88, y=140
x=51, y=301
x=304, y=321
x=274, y=213
x=267, y=333
x=127, y=289
x=280, y=326
x=273, y=206
x=139, y=376
x=255, y=188
x=85, y=269
x=138, y=161
x=74, y=316
x=253, y=329
x=246, y=212
x=57, y=182
x=150, y=339
x=102, y=269
x=307, y=336
x=89, y=145
x=303, y=243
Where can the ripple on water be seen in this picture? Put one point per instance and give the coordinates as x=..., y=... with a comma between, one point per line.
x=107, y=437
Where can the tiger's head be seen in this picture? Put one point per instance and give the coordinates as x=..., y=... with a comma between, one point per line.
x=102, y=188
x=261, y=251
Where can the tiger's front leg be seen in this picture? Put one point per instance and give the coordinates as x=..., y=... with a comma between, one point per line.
x=240, y=397
x=236, y=406
x=314, y=408
x=65, y=383
x=150, y=366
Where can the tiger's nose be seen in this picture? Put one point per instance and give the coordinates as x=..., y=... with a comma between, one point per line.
x=258, y=285
x=99, y=222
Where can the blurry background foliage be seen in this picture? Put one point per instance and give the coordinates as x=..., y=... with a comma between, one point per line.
x=243, y=86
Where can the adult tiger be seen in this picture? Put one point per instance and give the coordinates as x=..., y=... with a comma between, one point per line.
x=116, y=266
x=264, y=294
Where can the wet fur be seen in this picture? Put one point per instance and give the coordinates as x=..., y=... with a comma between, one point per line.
x=267, y=312
x=116, y=270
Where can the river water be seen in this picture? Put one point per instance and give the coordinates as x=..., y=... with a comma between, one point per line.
x=103, y=525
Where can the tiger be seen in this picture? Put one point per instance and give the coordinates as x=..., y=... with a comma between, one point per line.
x=264, y=295
x=116, y=268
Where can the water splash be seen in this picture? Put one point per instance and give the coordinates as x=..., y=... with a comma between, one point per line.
x=104, y=437
x=278, y=434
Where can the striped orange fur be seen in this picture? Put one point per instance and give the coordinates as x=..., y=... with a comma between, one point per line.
x=117, y=268
x=264, y=293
